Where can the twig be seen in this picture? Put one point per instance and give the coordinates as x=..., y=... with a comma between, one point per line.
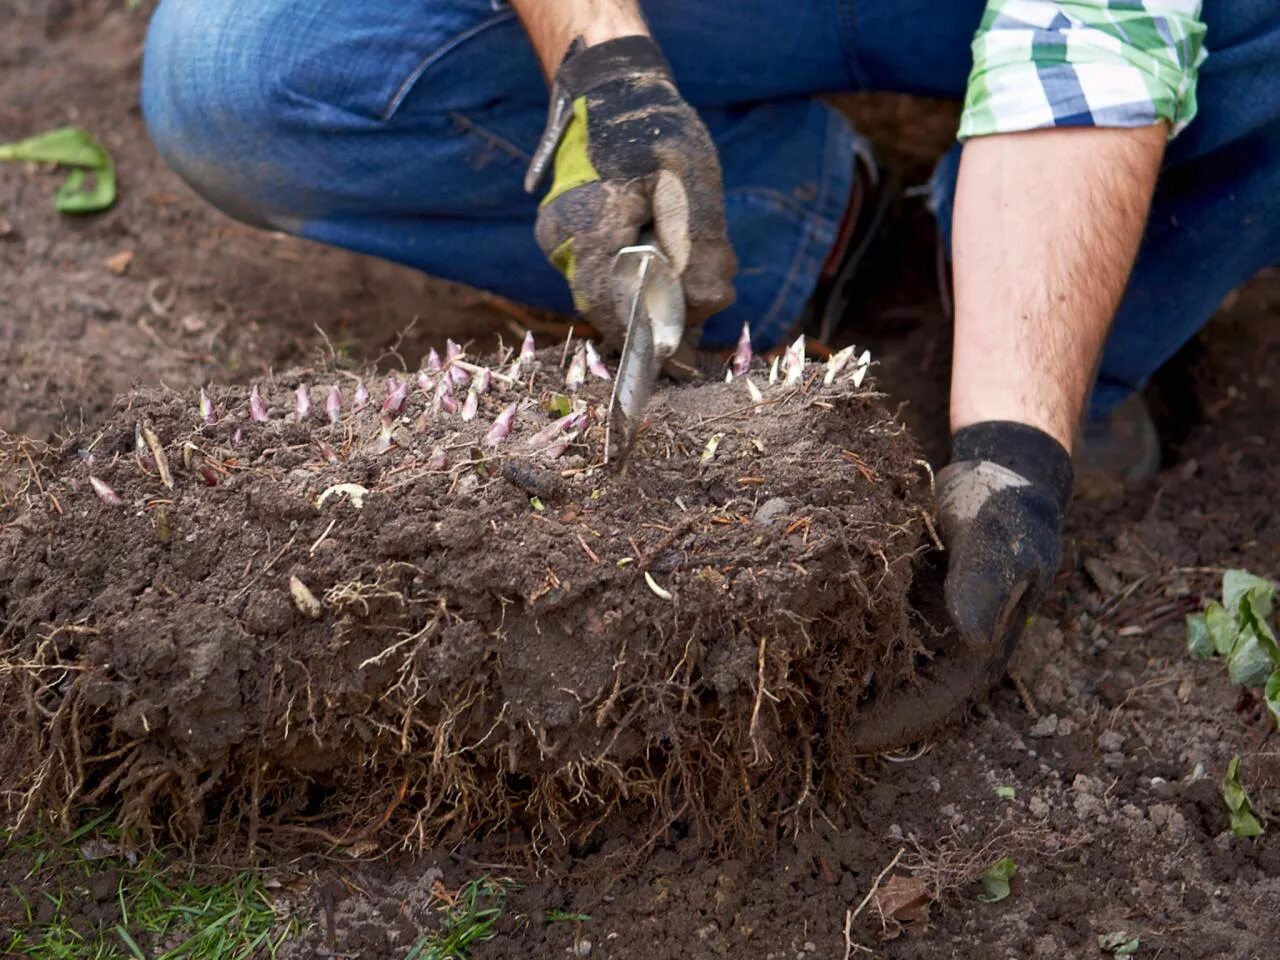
x=851, y=916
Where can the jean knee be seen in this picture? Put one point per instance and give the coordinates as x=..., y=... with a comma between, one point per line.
x=202, y=114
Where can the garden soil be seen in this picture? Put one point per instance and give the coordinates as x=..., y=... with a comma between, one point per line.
x=1095, y=767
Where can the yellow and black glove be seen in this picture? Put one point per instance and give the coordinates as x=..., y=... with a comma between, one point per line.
x=630, y=154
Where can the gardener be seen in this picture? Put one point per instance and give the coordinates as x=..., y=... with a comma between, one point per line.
x=405, y=130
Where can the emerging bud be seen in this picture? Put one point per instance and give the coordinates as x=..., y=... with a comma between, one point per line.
x=483, y=381
x=451, y=351
x=433, y=364
x=105, y=493
x=753, y=391
x=860, y=369
x=526, y=347
x=793, y=363
x=208, y=415
x=742, y=356
x=362, y=397
x=501, y=428
x=553, y=431
x=773, y=372
x=301, y=403
x=470, y=405
x=444, y=399
x=426, y=383
x=304, y=599
x=836, y=364
x=577, y=374
x=257, y=407
x=595, y=364
x=397, y=391
x=386, y=433
x=333, y=404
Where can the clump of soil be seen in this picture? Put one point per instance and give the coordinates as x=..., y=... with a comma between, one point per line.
x=469, y=630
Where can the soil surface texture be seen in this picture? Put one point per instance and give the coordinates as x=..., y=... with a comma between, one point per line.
x=1095, y=768
x=239, y=603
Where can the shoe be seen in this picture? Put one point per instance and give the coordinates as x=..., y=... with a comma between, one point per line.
x=1123, y=448
x=867, y=214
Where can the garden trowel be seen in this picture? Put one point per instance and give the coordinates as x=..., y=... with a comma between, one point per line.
x=649, y=299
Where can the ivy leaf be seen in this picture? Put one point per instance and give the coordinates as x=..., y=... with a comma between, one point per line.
x=1252, y=661
x=1199, y=643
x=1239, y=586
x=1272, y=696
x=995, y=880
x=1119, y=944
x=91, y=184
x=1243, y=822
x=1223, y=628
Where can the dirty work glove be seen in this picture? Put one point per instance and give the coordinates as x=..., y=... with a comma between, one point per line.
x=629, y=153
x=1000, y=504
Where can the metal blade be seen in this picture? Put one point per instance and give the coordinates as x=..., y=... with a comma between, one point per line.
x=648, y=293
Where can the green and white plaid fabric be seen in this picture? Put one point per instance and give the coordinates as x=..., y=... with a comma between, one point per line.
x=1096, y=63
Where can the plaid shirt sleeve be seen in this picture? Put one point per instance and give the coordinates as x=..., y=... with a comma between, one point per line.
x=1097, y=63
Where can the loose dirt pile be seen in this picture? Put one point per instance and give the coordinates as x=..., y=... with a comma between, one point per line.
x=397, y=609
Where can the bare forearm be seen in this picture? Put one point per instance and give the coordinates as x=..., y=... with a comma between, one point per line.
x=1045, y=230
x=553, y=24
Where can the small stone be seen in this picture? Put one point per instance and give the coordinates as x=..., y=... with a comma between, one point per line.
x=1038, y=808
x=579, y=948
x=771, y=510
x=1046, y=726
x=895, y=831
x=1111, y=741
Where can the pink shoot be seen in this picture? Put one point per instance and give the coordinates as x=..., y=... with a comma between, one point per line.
x=836, y=364
x=470, y=405
x=458, y=375
x=444, y=398
x=742, y=355
x=577, y=373
x=556, y=450
x=793, y=363
x=397, y=391
x=483, y=381
x=257, y=407
x=526, y=347
x=105, y=493
x=595, y=364
x=362, y=397
x=301, y=403
x=452, y=351
x=753, y=391
x=501, y=428
x=433, y=361
x=237, y=438
x=553, y=430
x=773, y=371
x=208, y=415
x=426, y=383
x=386, y=432
x=333, y=404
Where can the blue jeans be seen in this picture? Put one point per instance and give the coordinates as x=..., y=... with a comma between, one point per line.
x=402, y=129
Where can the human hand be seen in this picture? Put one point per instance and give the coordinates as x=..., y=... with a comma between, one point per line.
x=1000, y=504
x=630, y=153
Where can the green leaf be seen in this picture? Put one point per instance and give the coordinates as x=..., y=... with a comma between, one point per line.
x=995, y=880
x=1252, y=660
x=1223, y=627
x=1272, y=695
x=1199, y=643
x=1243, y=822
x=91, y=184
x=1006, y=793
x=1119, y=943
x=1241, y=585
x=558, y=405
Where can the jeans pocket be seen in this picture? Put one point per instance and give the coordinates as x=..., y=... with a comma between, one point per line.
x=470, y=64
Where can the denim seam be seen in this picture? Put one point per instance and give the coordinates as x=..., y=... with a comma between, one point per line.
x=437, y=54
x=468, y=126
x=847, y=22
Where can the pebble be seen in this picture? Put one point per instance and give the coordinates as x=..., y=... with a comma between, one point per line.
x=579, y=948
x=1046, y=726
x=771, y=510
x=1111, y=741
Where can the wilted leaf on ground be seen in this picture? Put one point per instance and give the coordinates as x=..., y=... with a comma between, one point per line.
x=1119, y=943
x=1252, y=660
x=1272, y=695
x=1240, y=586
x=77, y=149
x=1199, y=643
x=1243, y=822
x=995, y=880
x=901, y=901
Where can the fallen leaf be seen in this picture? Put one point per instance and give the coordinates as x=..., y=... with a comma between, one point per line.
x=118, y=263
x=995, y=880
x=901, y=901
